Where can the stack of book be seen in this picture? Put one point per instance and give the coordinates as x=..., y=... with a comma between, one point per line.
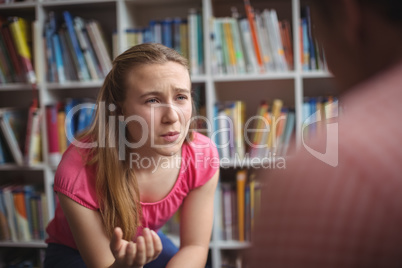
x=271, y=130
x=239, y=201
x=254, y=44
x=76, y=49
x=64, y=121
x=23, y=213
x=312, y=54
x=15, y=51
x=182, y=34
x=20, y=136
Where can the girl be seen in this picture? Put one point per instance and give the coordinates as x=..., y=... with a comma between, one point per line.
x=131, y=171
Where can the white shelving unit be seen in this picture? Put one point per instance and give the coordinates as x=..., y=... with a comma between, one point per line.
x=121, y=14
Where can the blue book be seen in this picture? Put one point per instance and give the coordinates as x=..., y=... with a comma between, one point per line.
x=2, y=151
x=59, y=58
x=71, y=119
x=306, y=46
x=80, y=57
x=200, y=41
x=312, y=63
x=167, y=33
x=147, y=35
x=28, y=192
x=50, y=54
x=176, y=34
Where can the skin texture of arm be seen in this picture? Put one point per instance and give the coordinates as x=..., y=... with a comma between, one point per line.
x=196, y=226
x=96, y=249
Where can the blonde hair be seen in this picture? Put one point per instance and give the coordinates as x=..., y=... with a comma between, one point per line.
x=116, y=184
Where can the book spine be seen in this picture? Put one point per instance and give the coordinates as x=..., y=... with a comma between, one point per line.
x=22, y=48
x=80, y=58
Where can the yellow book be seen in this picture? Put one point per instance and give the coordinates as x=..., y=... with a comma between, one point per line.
x=61, y=118
x=276, y=112
x=18, y=28
x=241, y=178
x=184, y=40
x=229, y=41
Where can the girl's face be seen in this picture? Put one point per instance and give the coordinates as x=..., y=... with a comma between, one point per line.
x=158, y=102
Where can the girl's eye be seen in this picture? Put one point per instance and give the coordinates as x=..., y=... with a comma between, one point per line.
x=182, y=97
x=152, y=101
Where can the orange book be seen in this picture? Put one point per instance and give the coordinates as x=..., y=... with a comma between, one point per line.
x=251, y=20
x=241, y=178
x=21, y=216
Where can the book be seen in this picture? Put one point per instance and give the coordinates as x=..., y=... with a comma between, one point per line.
x=96, y=36
x=241, y=178
x=12, y=124
x=17, y=25
x=251, y=20
x=21, y=215
x=52, y=134
x=12, y=52
x=83, y=69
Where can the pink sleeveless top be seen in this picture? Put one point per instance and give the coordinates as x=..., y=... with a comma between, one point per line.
x=77, y=181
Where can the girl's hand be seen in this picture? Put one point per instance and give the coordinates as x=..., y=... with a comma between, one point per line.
x=130, y=254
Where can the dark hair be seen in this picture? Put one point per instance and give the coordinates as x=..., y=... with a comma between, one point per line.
x=389, y=9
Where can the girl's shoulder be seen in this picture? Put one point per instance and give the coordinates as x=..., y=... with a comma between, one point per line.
x=201, y=160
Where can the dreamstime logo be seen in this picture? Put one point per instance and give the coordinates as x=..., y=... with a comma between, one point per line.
x=330, y=156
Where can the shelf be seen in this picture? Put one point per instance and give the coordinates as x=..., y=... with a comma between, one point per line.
x=11, y=166
x=155, y=2
x=254, y=77
x=75, y=2
x=15, y=87
x=75, y=85
x=30, y=244
x=18, y=5
x=198, y=79
x=230, y=244
x=316, y=74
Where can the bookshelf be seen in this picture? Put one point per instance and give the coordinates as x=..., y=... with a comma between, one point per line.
x=118, y=15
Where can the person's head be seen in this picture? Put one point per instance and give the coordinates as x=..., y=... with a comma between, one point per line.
x=360, y=37
x=146, y=100
x=149, y=85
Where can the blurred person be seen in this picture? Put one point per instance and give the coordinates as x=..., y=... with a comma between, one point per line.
x=348, y=214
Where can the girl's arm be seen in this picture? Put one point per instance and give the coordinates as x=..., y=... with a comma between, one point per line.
x=196, y=226
x=96, y=249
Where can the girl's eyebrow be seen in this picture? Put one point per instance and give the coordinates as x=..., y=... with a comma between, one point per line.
x=158, y=93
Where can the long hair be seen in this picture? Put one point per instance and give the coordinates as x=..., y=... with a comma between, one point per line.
x=116, y=184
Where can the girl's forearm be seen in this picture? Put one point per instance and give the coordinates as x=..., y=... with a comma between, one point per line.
x=189, y=256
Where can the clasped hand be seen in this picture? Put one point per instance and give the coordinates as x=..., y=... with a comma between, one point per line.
x=134, y=255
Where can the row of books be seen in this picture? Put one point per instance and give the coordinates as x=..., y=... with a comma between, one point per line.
x=20, y=136
x=23, y=213
x=312, y=54
x=316, y=112
x=65, y=120
x=15, y=51
x=239, y=205
x=76, y=49
x=244, y=45
x=185, y=35
x=271, y=130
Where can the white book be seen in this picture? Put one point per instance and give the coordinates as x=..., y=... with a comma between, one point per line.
x=78, y=25
x=193, y=42
x=265, y=43
x=251, y=64
x=240, y=62
x=10, y=138
x=278, y=41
